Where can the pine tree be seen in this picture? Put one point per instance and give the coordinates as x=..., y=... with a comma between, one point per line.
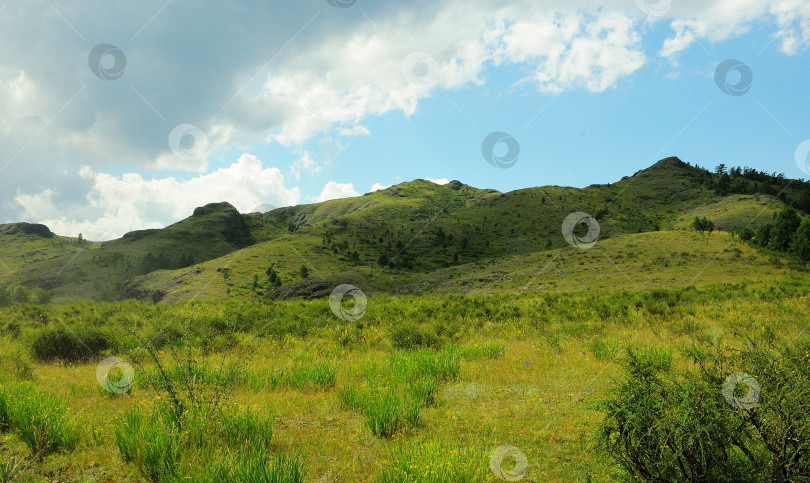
x=787, y=222
x=800, y=242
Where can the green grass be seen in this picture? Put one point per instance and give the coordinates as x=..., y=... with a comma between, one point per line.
x=319, y=398
x=40, y=420
x=391, y=394
x=436, y=462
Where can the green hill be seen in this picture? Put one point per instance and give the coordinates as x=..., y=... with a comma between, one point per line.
x=415, y=236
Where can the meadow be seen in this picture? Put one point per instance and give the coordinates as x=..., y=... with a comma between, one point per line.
x=419, y=388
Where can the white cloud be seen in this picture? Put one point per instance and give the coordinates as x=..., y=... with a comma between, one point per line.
x=305, y=162
x=438, y=180
x=116, y=205
x=356, y=130
x=333, y=191
x=721, y=20
x=572, y=51
x=378, y=187
x=273, y=76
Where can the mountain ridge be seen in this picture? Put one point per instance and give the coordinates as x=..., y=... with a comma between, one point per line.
x=408, y=231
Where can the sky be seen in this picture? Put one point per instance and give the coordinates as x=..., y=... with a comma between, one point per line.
x=118, y=116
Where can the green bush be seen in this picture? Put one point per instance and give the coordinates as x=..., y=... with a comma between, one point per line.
x=5, y=417
x=71, y=345
x=411, y=337
x=704, y=424
x=169, y=335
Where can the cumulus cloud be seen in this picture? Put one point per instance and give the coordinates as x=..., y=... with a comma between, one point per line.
x=438, y=180
x=334, y=190
x=286, y=72
x=378, y=187
x=116, y=205
x=721, y=20
x=305, y=162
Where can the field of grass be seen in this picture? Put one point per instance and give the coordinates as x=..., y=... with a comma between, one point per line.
x=489, y=348
x=421, y=388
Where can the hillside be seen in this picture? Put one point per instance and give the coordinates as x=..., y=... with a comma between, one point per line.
x=452, y=238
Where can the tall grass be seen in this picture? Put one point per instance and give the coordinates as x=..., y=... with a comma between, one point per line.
x=435, y=462
x=393, y=395
x=259, y=467
x=153, y=444
x=233, y=444
x=303, y=377
x=39, y=419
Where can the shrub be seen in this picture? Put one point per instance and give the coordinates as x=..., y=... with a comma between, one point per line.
x=693, y=426
x=22, y=365
x=165, y=336
x=410, y=337
x=77, y=345
x=5, y=417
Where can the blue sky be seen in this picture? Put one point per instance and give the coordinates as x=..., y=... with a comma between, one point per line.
x=292, y=104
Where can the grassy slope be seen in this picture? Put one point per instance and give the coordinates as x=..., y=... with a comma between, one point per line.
x=97, y=270
x=542, y=395
x=18, y=250
x=546, y=307
x=513, y=240
x=401, y=221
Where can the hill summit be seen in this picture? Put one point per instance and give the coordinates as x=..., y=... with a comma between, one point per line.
x=408, y=237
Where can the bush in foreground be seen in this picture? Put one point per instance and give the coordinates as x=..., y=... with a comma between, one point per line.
x=741, y=415
x=71, y=346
